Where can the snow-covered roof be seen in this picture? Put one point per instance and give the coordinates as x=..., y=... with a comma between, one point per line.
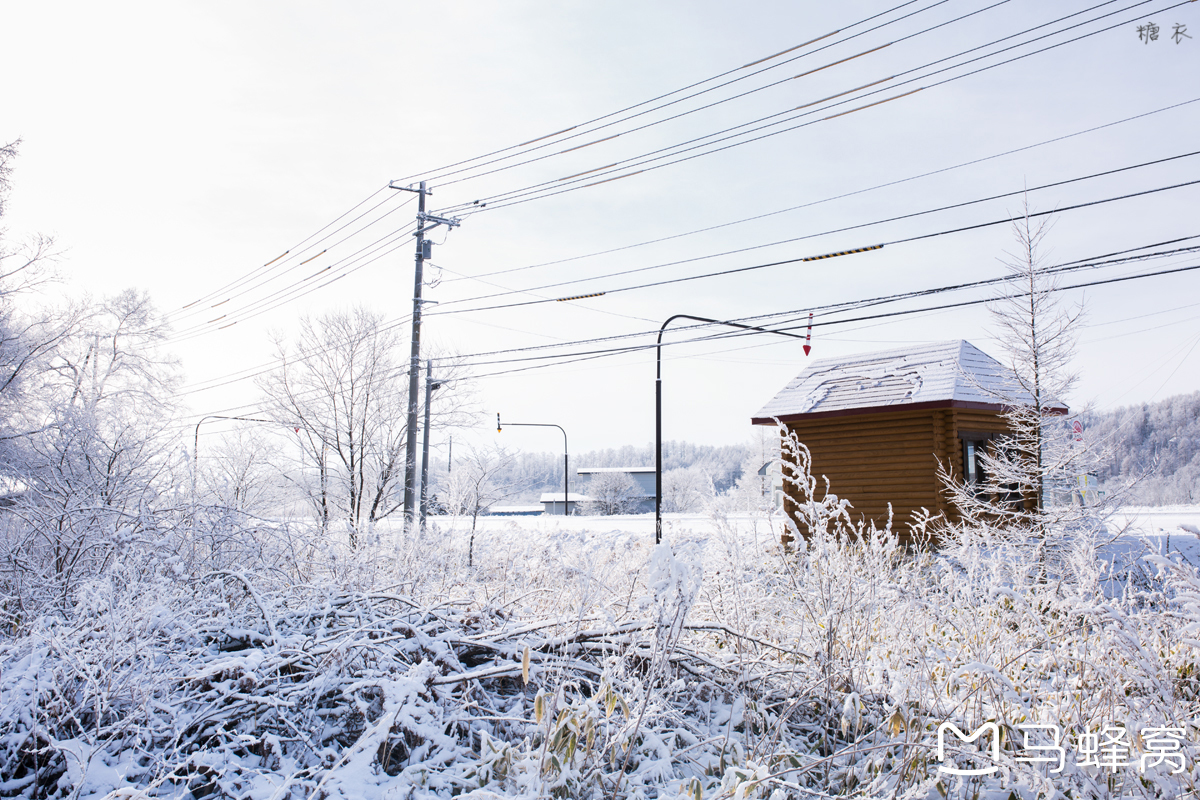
x=951, y=373
x=500, y=511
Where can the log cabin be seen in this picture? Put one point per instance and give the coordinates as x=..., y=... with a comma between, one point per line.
x=878, y=425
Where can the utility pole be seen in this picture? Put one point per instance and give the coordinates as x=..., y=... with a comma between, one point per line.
x=424, y=251
x=431, y=386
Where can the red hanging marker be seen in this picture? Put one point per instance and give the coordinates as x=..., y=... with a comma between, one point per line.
x=808, y=339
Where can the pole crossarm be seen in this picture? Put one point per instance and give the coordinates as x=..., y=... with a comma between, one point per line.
x=658, y=401
x=566, y=456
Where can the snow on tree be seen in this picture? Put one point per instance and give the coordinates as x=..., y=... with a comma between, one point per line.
x=1024, y=470
x=611, y=493
x=686, y=489
x=478, y=482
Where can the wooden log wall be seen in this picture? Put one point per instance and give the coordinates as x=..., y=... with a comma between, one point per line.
x=875, y=458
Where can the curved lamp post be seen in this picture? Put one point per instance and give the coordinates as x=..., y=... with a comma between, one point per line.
x=658, y=404
x=566, y=471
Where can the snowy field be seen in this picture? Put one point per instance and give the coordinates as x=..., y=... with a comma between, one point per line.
x=573, y=658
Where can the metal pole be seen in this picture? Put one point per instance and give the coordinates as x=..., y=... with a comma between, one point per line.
x=196, y=454
x=566, y=456
x=414, y=369
x=658, y=404
x=429, y=387
x=658, y=449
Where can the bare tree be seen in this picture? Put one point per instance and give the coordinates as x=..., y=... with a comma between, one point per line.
x=339, y=389
x=476, y=484
x=241, y=474
x=93, y=467
x=1037, y=337
x=611, y=493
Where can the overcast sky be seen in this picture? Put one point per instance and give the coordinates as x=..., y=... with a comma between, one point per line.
x=180, y=147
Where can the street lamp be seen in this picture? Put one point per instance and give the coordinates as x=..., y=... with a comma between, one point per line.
x=566, y=470
x=196, y=450
x=658, y=404
x=196, y=442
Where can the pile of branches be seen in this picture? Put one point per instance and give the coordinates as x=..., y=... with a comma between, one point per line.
x=220, y=687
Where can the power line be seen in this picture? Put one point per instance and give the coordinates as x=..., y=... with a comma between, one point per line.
x=250, y=275
x=731, y=97
x=592, y=356
x=323, y=240
x=551, y=360
x=439, y=173
x=737, y=270
x=543, y=190
x=819, y=202
x=1105, y=260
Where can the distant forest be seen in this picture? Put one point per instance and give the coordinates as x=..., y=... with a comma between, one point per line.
x=1157, y=445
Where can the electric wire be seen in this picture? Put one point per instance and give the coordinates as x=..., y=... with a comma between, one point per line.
x=731, y=98
x=823, y=200
x=250, y=275
x=887, y=315
x=179, y=316
x=439, y=172
x=859, y=226
x=781, y=262
x=543, y=190
x=223, y=317
x=575, y=357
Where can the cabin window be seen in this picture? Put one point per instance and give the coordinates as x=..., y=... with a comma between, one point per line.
x=974, y=449
x=973, y=452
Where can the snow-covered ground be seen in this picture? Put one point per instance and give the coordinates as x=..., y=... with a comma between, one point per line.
x=573, y=658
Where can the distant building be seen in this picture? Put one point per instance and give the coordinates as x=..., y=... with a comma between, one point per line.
x=515, y=511
x=643, y=479
x=878, y=424
x=552, y=503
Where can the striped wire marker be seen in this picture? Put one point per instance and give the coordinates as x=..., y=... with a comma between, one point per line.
x=844, y=253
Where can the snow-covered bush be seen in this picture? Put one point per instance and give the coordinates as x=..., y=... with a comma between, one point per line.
x=594, y=665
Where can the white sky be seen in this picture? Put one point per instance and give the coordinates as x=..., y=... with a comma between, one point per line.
x=177, y=147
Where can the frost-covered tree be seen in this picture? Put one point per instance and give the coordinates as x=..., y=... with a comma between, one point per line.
x=28, y=341
x=611, y=493
x=241, y=473
x=686, y=489
x=478, y=482
x=1022, y=469
x=338, y=387
x=97, y=465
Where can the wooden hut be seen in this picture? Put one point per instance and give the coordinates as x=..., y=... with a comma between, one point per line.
x=878, y=425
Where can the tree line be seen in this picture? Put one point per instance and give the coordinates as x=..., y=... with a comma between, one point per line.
x=1155, y=447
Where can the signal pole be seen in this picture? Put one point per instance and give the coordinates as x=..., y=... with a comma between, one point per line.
x=424, y=251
